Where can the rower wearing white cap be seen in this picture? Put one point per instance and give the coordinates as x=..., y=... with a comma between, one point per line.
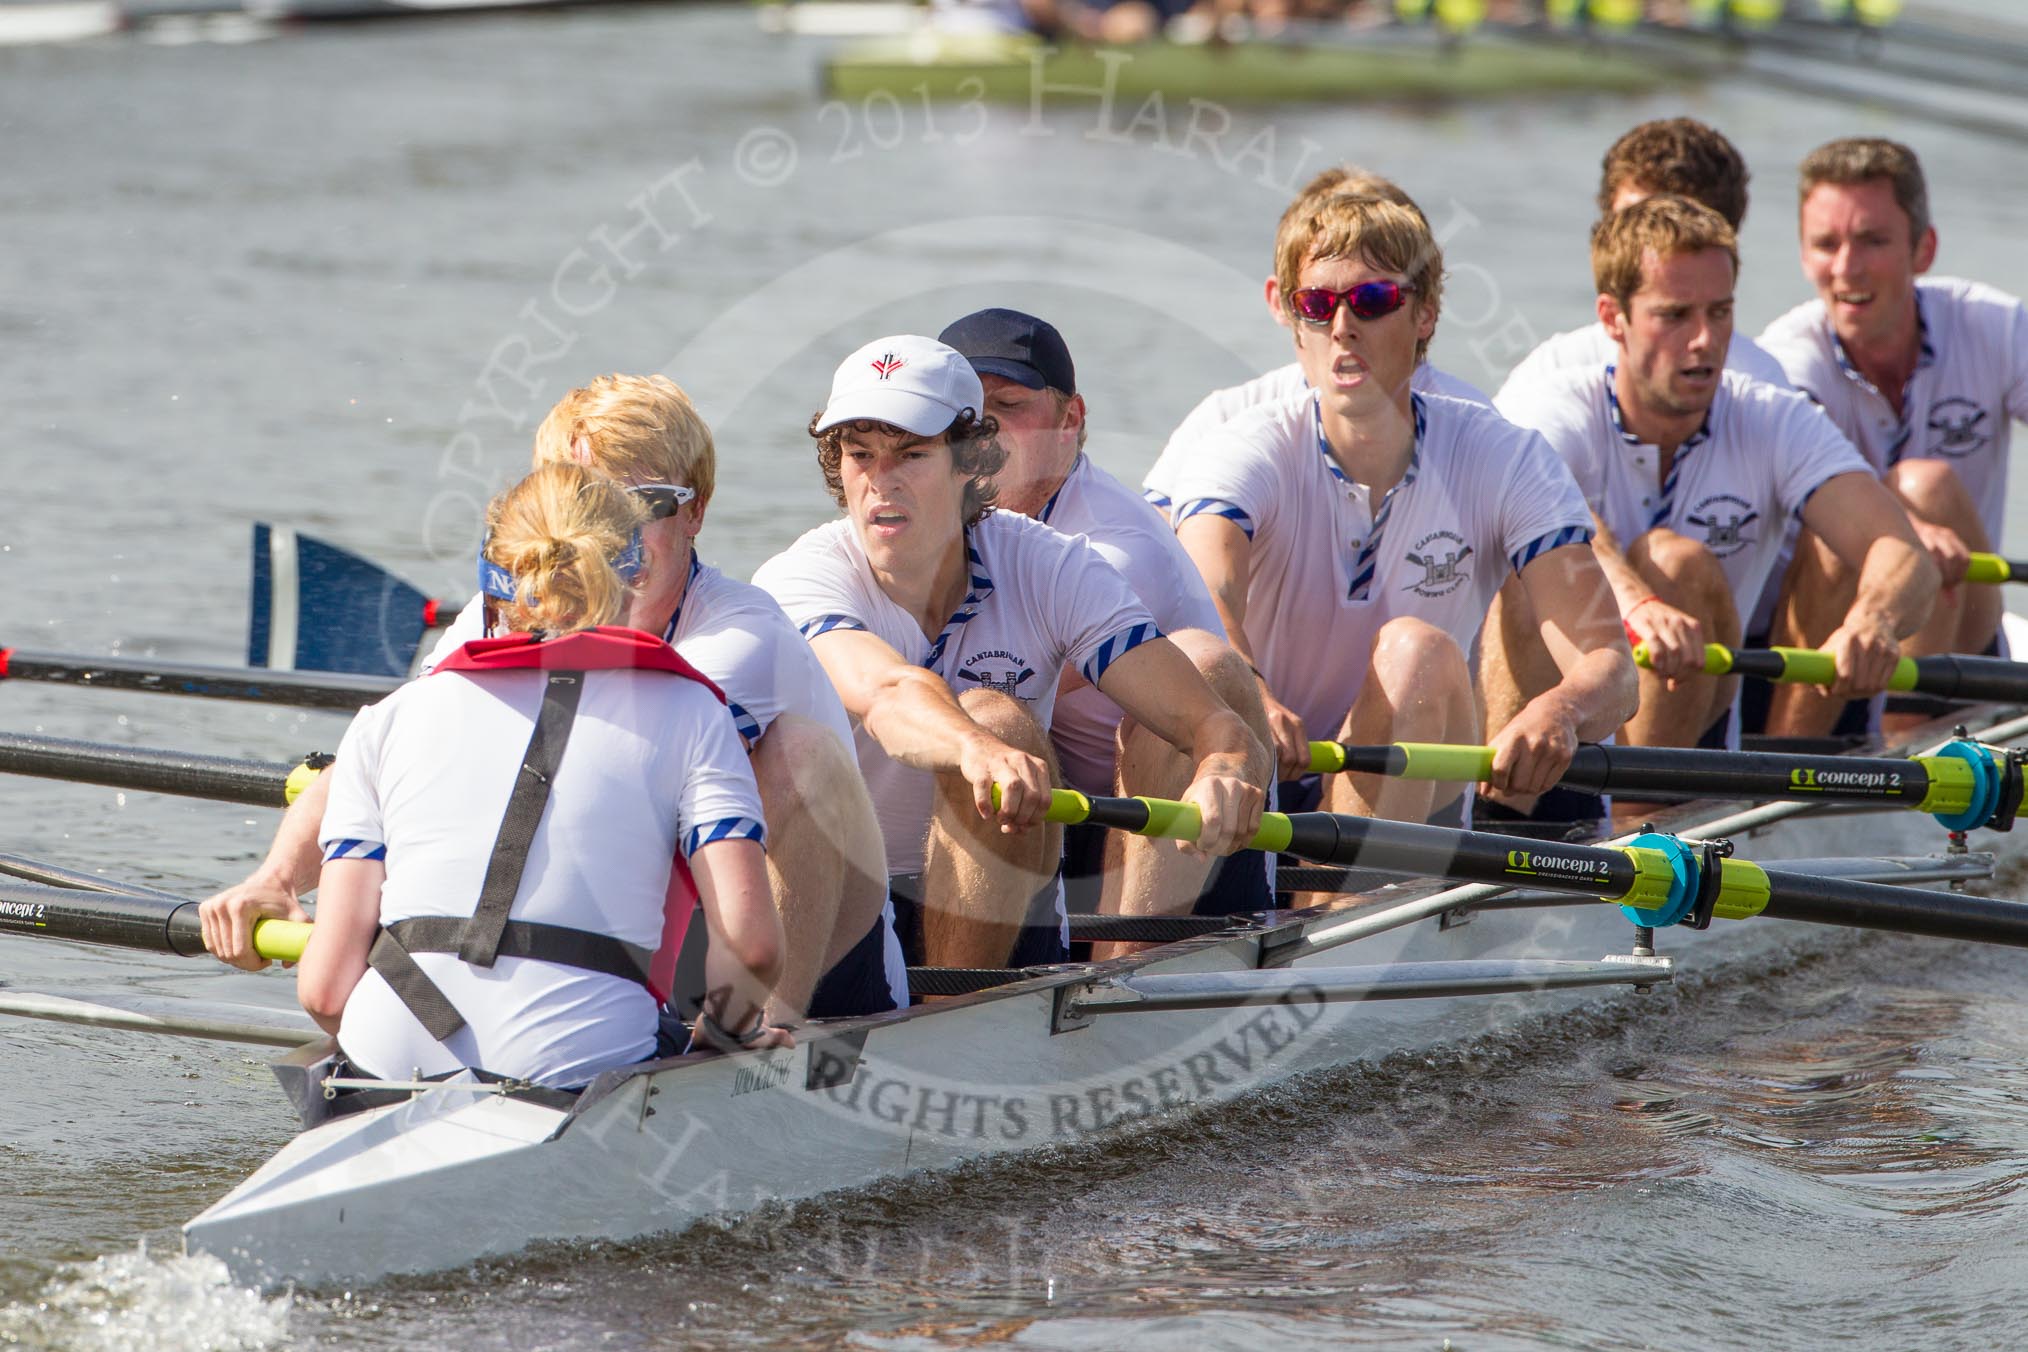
x=1031, y=391
x=1692, y=471
x=1353, y=537
x=947, y=627
x=1925, y=375
x=1220, y=407
x=826, y=868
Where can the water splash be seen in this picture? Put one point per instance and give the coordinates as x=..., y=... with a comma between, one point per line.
x=136, y=1300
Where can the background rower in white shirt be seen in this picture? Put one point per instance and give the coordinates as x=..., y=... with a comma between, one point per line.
x=1030, y=384
x=1363, y=277
x=922, y=586
x=1684, y=158
x=1692, y=471
x=1924, y=376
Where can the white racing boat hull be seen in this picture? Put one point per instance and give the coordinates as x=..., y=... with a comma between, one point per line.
x=451, y=1176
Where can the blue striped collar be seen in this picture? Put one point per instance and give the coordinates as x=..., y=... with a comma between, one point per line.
x=676, y=620
x=1414, y=447
x=1365, y=559
x=981, y=587
x=1925, y=353
x=1050, y=506
x=1690, y=443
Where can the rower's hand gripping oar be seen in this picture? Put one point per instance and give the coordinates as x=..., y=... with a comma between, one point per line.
x=155, y=924
x=1965, y=785
x=1947, y=676
x=1657, y=880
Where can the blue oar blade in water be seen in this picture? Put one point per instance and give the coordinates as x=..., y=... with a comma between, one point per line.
x=317, y=607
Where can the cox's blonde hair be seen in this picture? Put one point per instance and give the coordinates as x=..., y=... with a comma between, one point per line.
x=557, y=533
x=638, y=429
x=1668, y=225
x=1378, y=228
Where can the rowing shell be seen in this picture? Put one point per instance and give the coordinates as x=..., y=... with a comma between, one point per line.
x=451, y=1173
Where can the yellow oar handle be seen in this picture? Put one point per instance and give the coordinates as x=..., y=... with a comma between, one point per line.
x=1717, y=659
x=1409, y=760
x=301, y=778
x=1162, y=818
x=281, y=940
x=1802, y=666
x=1991, y=568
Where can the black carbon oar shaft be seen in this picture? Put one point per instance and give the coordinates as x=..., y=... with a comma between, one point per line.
x=1391, y=847
x=1688, y=772
x=116, y=918
x=1743, y=888
x=1982, y=678
x=222, y=778
x=1691, y=773
x=323, y=690
x=1903, y=910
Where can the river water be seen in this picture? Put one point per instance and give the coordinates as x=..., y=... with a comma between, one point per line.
x=331, y=278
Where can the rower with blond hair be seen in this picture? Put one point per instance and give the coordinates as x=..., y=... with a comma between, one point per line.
x=498, y=837
x=826, y=866
x=1221, y=406
x=1354, y=532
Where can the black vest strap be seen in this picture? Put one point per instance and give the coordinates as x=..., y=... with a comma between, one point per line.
x=524, y=813
x=489, y=935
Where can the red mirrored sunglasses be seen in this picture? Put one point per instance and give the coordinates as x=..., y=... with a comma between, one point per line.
x=1368, y=300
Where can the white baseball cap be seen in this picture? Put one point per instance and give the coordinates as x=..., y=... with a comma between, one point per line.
x=907, y=381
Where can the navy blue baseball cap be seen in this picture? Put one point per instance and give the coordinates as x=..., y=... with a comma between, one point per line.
x=1022, y=348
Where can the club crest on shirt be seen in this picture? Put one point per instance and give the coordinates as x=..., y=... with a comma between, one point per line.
x=1441, y=555
x=1724, y=519
x=1957, y=427
x=999, y=670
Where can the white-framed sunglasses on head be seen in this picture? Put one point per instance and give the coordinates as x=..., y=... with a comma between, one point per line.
x=663, y=499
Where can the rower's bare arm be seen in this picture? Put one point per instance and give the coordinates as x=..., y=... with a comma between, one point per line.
x=1675, y=639
x=1224, y=558
x=1946, y=548
x=1865, y=526
x=916, y=720
x=1162, y=690
x=270, y=891
x=348, y=917
x=743, y=960
x=1580, y=625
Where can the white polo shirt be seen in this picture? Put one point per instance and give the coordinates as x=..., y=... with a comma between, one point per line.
x=1589, y=348
x=1970, y=382
x=1222, y=406
x=1132, y=537
x=1482, y=499
x=1732, y=487
x=1039, y=601
x=733, y=632
x=422, y=781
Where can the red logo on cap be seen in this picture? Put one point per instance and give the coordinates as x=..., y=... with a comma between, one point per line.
x=888, y=364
